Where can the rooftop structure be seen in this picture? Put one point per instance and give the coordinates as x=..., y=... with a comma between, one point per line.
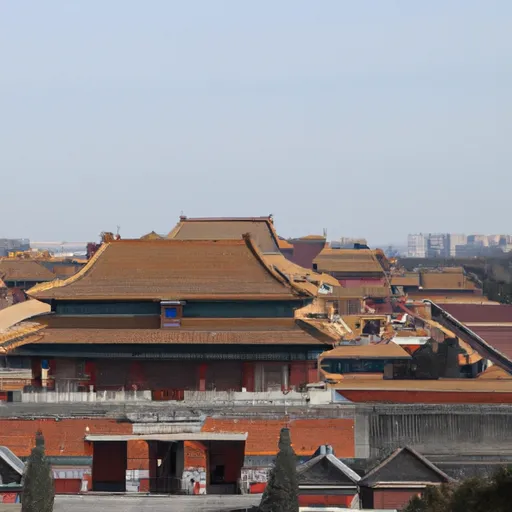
x=261, y=230
x=174, y=269
x=346, y=262
x=442, y=284
x=324, y=479
x=16, y=272
x=398, y=478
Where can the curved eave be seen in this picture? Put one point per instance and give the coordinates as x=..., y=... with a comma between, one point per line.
x=294, y=288
x=37, y=292
x=20, y=337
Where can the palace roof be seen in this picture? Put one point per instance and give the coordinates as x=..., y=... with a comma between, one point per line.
x=379, y=351
x=174, y=270
x=348, y=260
x=193, y=331
x=12, y=269
x=261, y=230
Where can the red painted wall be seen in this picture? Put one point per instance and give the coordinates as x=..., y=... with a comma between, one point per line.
x=305, y=252
x=303, y=372
x=325, y=500
x=195, y=454
x=67, y=486
x=63, y=437
x=307, y=434
x=393, y=499
x=248, y=376
x=426, y=397
x=138, y=455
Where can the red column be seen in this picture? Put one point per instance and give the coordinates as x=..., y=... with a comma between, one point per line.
x=90, y=369
x=248, y=376
x=312, y=372
x=298, y=374
x=137, y=377
x=202, y=376
x=36, y=372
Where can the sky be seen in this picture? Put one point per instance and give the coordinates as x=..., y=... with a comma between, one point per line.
x=368, y=118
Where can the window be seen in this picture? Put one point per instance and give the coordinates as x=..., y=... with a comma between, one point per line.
x=172, y=311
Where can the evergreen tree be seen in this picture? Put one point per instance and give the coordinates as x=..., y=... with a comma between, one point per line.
x=434, y=499
x=282, y=491
x=472, y=495
x=38, y=492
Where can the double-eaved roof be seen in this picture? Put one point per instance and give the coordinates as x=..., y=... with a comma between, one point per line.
x=261, y=230
x=174, y=270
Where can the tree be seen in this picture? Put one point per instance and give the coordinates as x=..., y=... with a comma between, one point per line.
x=471, y=495
x=38, y=492
x=434, y=499
x=282, y=491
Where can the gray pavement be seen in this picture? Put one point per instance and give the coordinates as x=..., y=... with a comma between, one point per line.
x=97, y=503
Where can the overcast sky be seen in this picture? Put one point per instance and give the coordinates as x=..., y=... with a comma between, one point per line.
x=367, y=118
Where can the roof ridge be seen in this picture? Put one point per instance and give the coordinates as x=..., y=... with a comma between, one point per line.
x=267, y=220
x=278, y=276
x=225, y=219
x=12, y=460
x=413, y=452
x=344, y=468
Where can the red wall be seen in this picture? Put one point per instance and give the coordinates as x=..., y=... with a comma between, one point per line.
x=426, y=397
x=303, y=372
x=305, y=252
x=138, y=455
x=393, y=499
x=325, y=500
x=195, y=454
x=67, y=486
x=306, y=434
x=62, y=437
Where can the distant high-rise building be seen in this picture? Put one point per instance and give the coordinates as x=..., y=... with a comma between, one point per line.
x=347, y=243
x=417, y=246
x=438, y=245
x=481, y=240
x=450, y=245
x=454, y=241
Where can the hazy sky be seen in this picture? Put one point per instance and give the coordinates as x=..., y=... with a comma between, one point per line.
x=368, y=118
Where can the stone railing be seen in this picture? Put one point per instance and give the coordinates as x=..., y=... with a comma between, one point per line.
x=314, y=397
x=258, y=398
x=55, y=397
